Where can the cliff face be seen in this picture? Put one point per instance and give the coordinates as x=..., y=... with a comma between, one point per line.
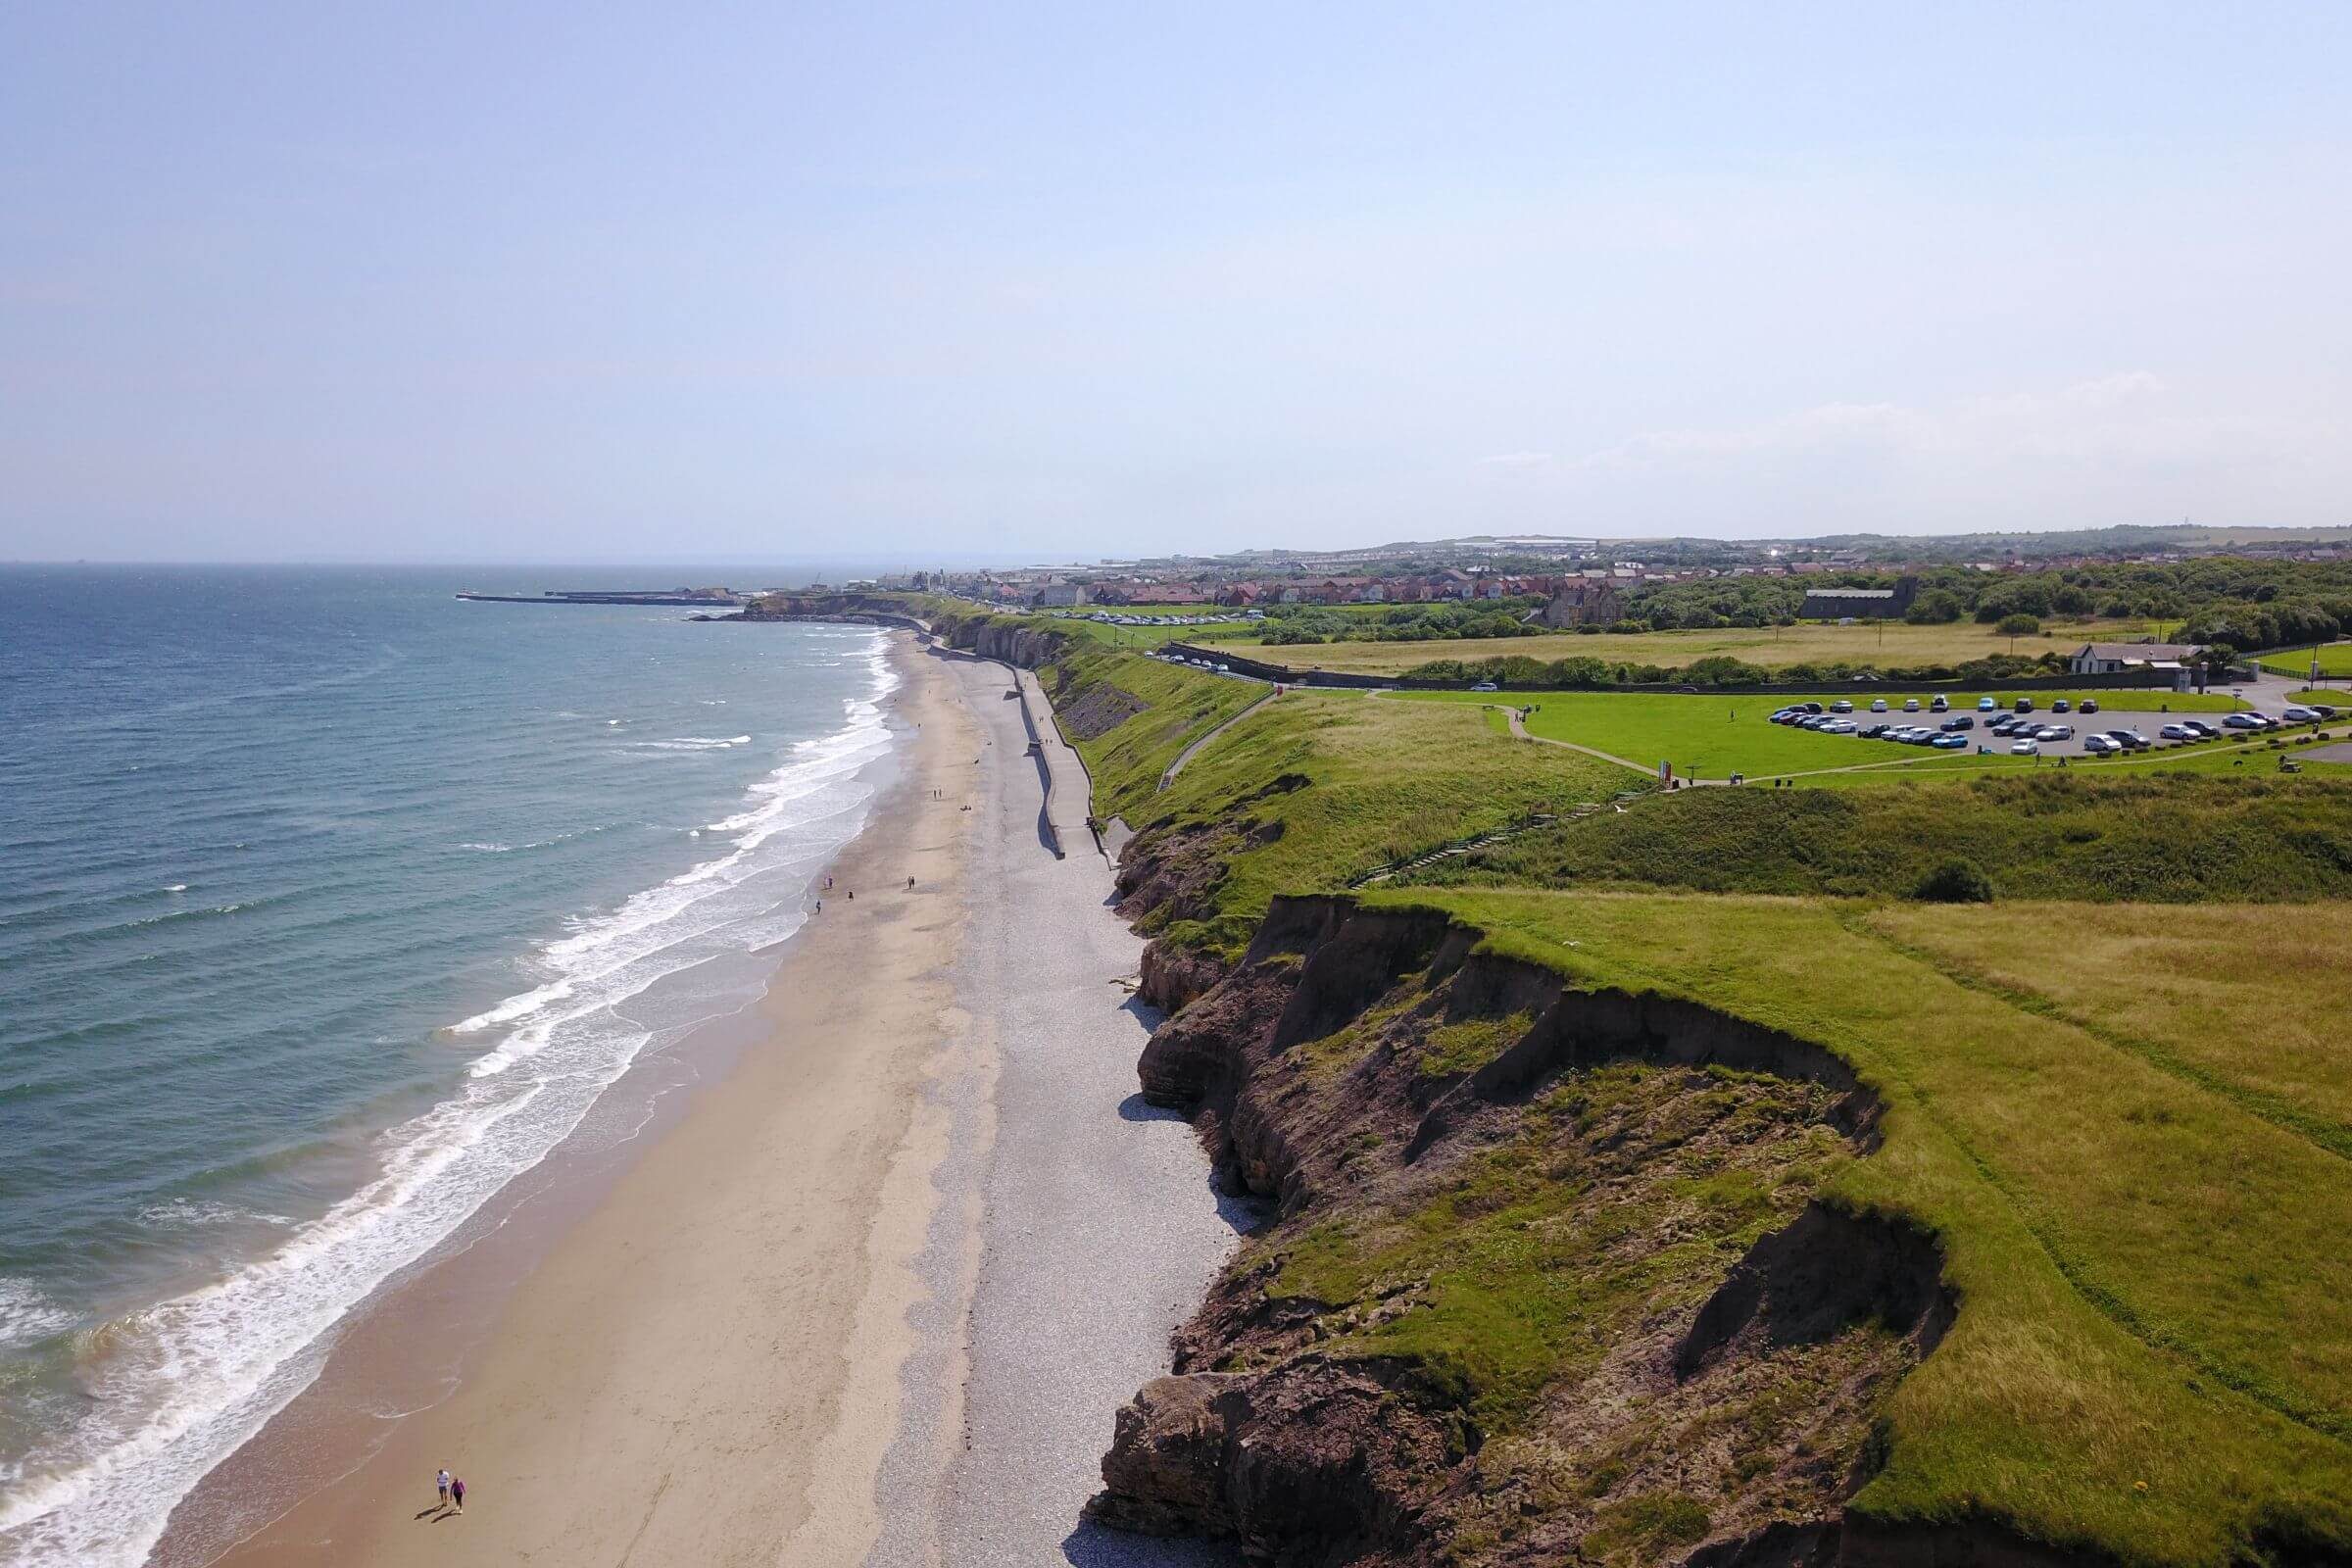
x=1545, y=1278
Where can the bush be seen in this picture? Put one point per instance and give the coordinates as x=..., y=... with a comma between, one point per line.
x=2020, y=625
x=1955, y=881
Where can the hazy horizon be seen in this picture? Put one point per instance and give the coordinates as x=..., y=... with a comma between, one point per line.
x=549, y=287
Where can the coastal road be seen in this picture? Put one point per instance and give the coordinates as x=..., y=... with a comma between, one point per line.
x=1076, y=1228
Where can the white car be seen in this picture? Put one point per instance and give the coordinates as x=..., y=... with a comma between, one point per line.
x=1910, y=705
x=1839, y=726
x=2025, y=749
x=1878, y=705
x=2298, y=716
x=2100, y=746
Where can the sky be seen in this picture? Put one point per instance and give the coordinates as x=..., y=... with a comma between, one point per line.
x=433, y=281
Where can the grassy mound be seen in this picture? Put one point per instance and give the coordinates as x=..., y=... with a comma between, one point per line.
x=2167, y=837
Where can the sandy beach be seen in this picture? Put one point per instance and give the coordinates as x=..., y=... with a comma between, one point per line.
x=873, y=1295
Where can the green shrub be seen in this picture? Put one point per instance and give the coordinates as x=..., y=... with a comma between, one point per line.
x=1955, y=881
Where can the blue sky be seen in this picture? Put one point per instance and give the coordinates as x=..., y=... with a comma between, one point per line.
x=460, y=281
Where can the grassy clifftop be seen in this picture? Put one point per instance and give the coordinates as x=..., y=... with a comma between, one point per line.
x=2151, y=1357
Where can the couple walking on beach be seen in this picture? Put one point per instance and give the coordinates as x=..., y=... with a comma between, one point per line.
x=452, y=1490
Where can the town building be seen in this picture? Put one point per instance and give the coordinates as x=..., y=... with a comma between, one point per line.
x=1584, y=602
x=1860, y=604
x=2177, y=660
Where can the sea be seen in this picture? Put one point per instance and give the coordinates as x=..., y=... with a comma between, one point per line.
x=330, y=904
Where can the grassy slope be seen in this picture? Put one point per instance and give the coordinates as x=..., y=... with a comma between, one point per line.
x=1813, y=642
x=1389, y=780
x=1182, y=703
x=2154, y=1351
x=2154, y=836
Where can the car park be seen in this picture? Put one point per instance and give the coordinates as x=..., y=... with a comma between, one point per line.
x=2025, y=748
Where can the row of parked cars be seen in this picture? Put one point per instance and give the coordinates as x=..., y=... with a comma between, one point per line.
x=1832, y=720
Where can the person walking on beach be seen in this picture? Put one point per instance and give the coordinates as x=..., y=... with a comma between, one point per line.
x=441, y=1485
x=457, y=1493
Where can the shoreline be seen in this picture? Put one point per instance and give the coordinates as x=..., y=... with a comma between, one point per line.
x=871, y=1290
x=737, y=1243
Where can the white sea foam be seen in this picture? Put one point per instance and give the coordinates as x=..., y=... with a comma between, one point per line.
x=693, y=743
x=26, y=1315
x=184, y=1381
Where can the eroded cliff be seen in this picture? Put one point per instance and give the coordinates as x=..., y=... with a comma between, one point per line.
x=1545, y=1276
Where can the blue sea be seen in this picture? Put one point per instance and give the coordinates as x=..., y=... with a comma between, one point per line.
x=328, y=903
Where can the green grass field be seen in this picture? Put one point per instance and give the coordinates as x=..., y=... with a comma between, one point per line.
x=1895, y=644
x=1315, y=788
x=1715, y=736
x=2153, y=1353
x=2335, y=660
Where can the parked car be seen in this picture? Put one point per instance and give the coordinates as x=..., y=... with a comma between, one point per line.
x=2130, y=739
x=2100, y=745
x=1948, y=743
x=1482, y=686
x=2025, y=748
x=2090, y=705
x=1941, y=704
x=2023, y=705
x=1874, y=731
x=2055, y=732
x=2299, y=715
x=1910, y=705
x=2203, y=730
x=1961, y=721
x=2246, y=722
x=1878, y=705
x=1839, y=726
x=1842, y=706
x=1985, y=705
x=2178, y=732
